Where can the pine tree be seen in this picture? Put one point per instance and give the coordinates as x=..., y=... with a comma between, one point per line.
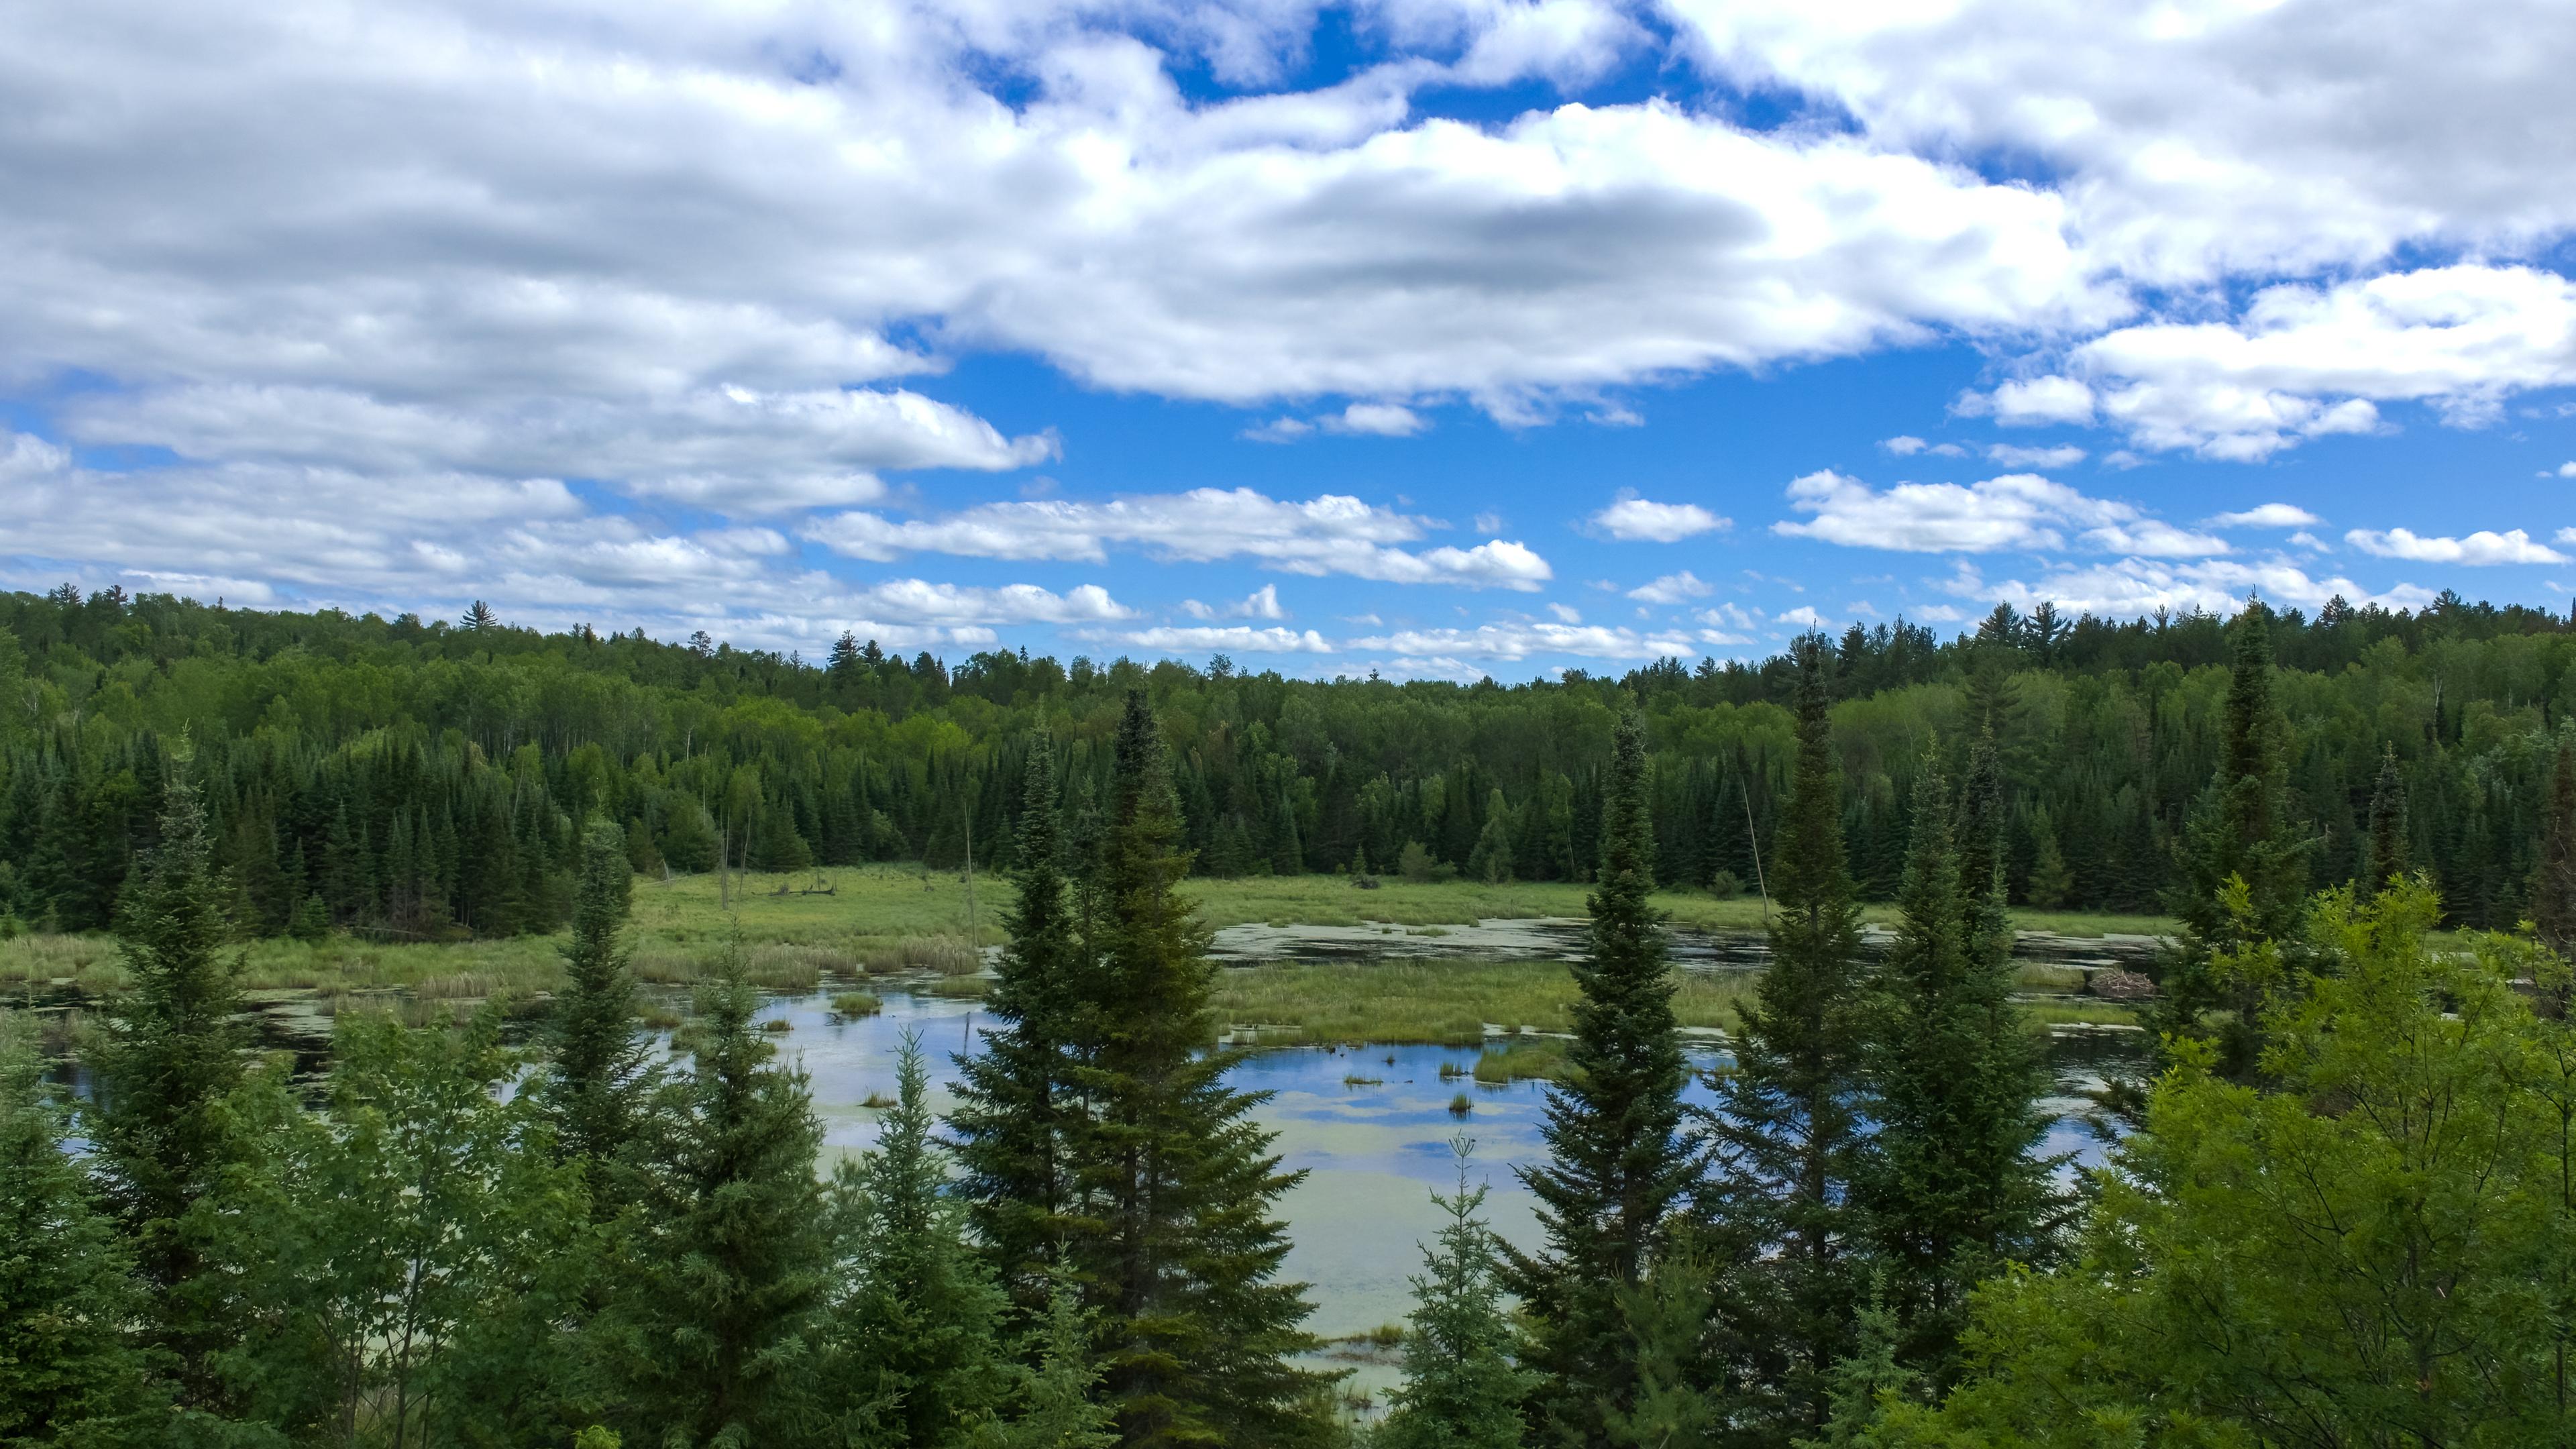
x=67, y=1291
x=2052, y=881
x=917, y=1346
x=172, y=1052
x=715, y=1330
x=1181, y=1253
x=1016, y=1098
x=2553, y=894
x=1619, y=1159
x=2387, y=858
x=478, y=617
x=1785, y=1124
x=1491, y=860
x=599, y=1076
x=1951, y=1189
x=1461, y=1389
x=2240, y=832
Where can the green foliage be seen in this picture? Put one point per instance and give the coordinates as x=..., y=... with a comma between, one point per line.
x=598, y=1076
x=718, y=1321
x=171, y=1053
x=2377, y=1253
x=68, y=1375
x=1179, y=1252
x=916, y=1344
x=1056, y=1405
x=1462, y=1389
x=406, y=1255
x=1950, y=1188
x=1789, y=1145
x=1017, y=1101
x=1619, y=1159
x=2241, y=831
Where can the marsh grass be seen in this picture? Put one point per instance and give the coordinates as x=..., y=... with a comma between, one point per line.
x=1448, y=1003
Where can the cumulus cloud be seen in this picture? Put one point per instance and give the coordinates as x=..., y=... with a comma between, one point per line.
x=2203, y=137
x=2129, y=588
x=2307, y=361
x=1331, y=534
x=1906, y=446
x=2567, y=470
x=1261, y=603
x=2064, y=455
x=1521, y=639
x=2032, y=402
x=1633, y=519
x=2267, y=515
x=1238, y=638
x=1380, y=420
x=2014, y=511
x=2476, y=550
x=1671, y=589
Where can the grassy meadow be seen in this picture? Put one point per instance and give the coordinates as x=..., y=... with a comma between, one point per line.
x=883, y=920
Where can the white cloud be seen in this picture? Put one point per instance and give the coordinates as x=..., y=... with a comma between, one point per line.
x=2477, y=549
x=1633, y=519
x=920, y=601
x=2267, y=515
x=1238, y=638
x=2064, y=455
x=1331, y=534
x=2131, y=587
x=2306, y=361
x=2203, y=137
x=1261, y=603
x=1520, y=639
x=2014, y=511
x=2566, y=470
x=1903, y=445
x=1804, y=616
x=1729, y=616
x=1565, y=614
x=2032, y=402
x=1671, y=589
x=2305, y=539
x=1379, y=420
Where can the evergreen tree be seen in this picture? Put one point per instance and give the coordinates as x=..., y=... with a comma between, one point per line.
x=599, y=1075
x=1058, y=1403
x=1786, y=1122
x=1619, y=1159
x=2387, y=856
x=1180, y=1253
x=171, y=1053
x=1491, y=860
x=2052, y=881
x=478, y=617
x=917, y=1346
x=716, y=1325
x=1461, y=1389
x=2240, y=832
x=1951, y=1189
x=1016, y=1098
x=68, y=1375
x=2553, y=892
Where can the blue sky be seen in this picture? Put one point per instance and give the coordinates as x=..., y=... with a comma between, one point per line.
x=1438, y=337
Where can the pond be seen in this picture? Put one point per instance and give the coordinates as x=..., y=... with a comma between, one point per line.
x=1369, y=1126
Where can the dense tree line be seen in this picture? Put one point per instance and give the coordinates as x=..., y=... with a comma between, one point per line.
x=2341, y=1215
x=428, y=779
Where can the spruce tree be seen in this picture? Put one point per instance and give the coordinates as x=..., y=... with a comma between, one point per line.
x=2553, y=891
x=1786, y=1123
x=1618, y=1157
x=599, y=1075
x=2387, y=856
x=1951, y=1189
x=715, y=1328
x=2240, y=833
x=68, y=1375
x=1057, y=1402
x=1017, y=1102
x=1462, y=1389
x=916, y=1343
x=1180, y=1253
x=171, y=1053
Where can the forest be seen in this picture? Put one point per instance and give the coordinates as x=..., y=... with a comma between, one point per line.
x=2338, y=1212
x=426, y=780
